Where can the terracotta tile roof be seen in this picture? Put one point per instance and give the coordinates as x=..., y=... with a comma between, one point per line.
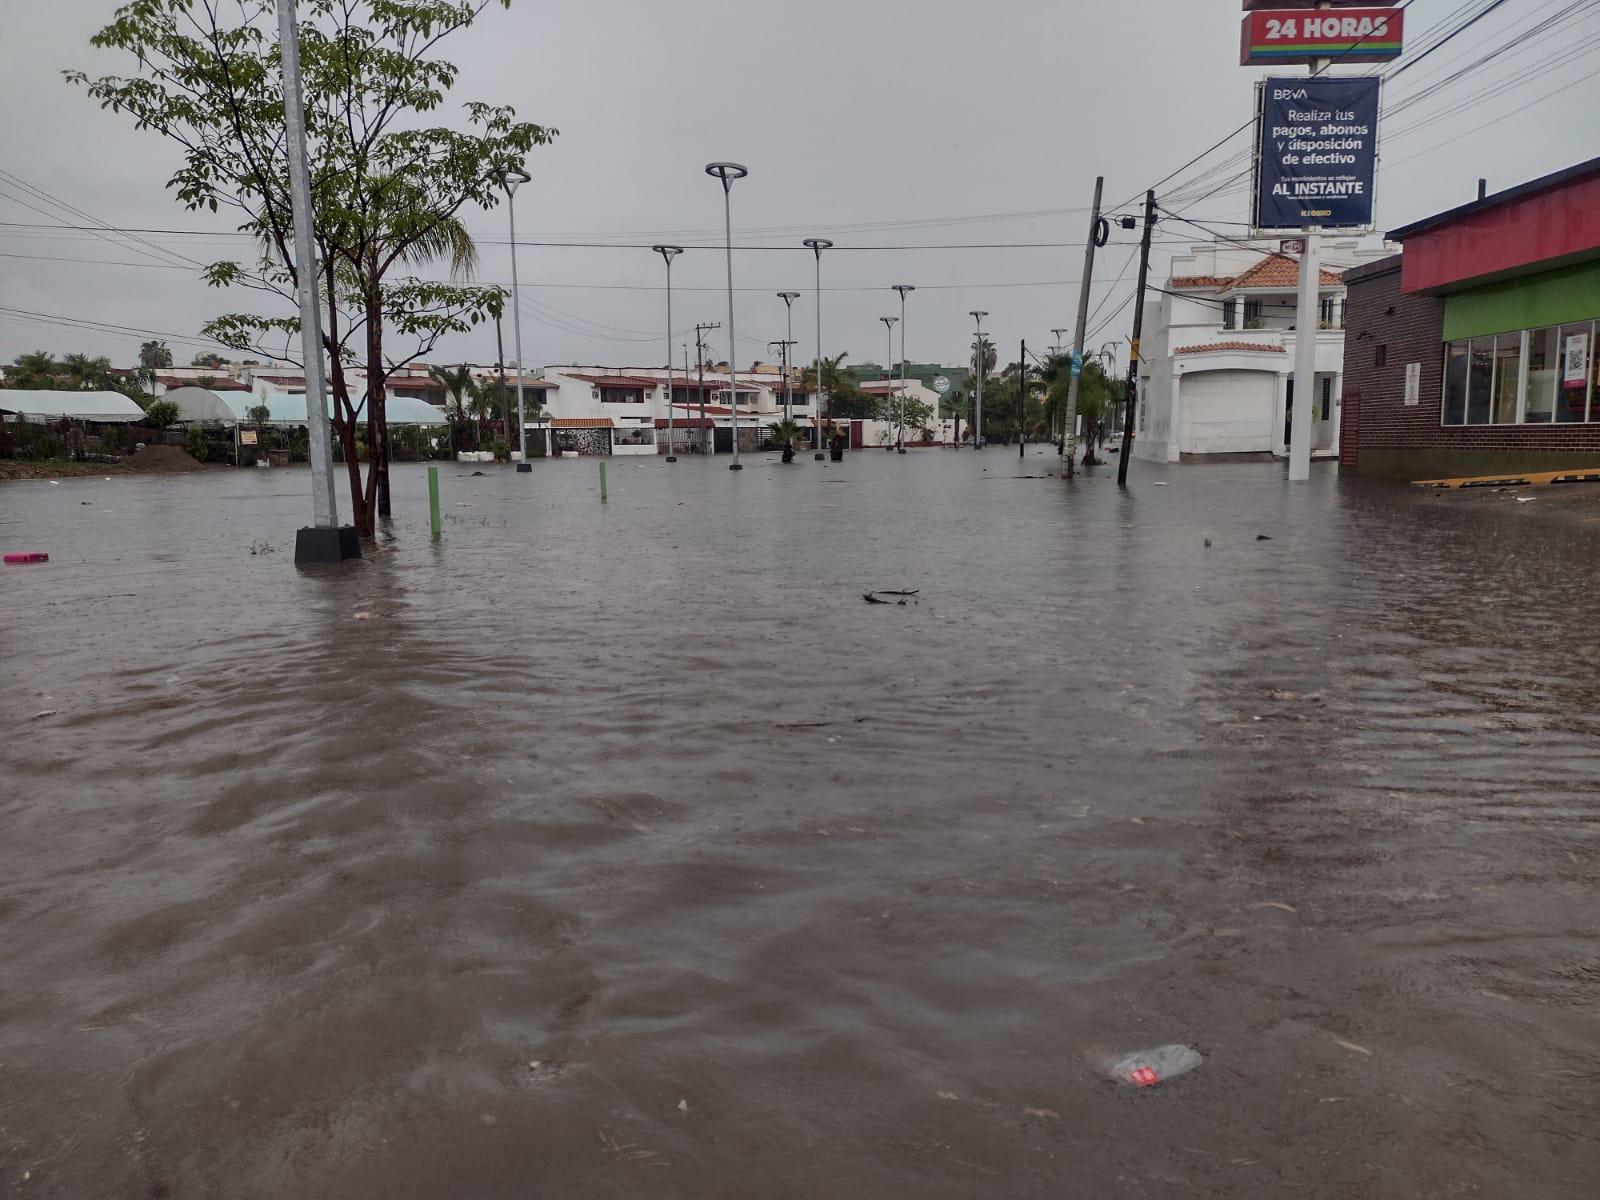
x=581, y=423
x=638, y=381
x=1201, y=281
x=1279, y=272
x=1218, y=347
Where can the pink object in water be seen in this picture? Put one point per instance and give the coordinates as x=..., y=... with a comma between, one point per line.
x=27, y=556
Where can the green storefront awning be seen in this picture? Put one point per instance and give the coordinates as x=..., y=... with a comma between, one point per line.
x=1569, y=294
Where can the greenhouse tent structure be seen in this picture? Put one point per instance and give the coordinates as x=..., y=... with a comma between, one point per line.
x=198, y=404
x=106, y=408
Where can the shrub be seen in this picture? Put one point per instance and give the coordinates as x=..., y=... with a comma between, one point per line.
x=194, y=441
x=160, y=414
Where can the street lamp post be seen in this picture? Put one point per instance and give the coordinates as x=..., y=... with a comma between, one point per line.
x=513, y=180
x=817, y=246
x=888, y=371
x=728, y=172
x=668, y=253
x=977, y=404
x=788, y=299
x=903, y=288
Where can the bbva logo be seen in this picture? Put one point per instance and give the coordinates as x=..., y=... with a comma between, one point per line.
x=1287, y=94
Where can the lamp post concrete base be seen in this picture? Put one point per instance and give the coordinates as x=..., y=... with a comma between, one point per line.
x=315, y=545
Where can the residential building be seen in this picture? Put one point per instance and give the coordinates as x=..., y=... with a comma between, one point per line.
x=606, y=410
x=957, y=379
x=1474, y=352
x=1218, y=354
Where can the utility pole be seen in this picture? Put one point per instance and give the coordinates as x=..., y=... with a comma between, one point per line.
x=324, y=541
x=788, y=299
x=783, y=351
x=1099, y=231
x=500, y=359
x=1022, y=400
x=1131, y=408
x=1055, y=352
x=700, y=332
x=977, y=404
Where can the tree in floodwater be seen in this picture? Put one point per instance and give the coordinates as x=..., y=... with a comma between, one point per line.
x=387, y=187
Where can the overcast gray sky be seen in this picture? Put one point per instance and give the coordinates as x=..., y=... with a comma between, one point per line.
x=873, y=122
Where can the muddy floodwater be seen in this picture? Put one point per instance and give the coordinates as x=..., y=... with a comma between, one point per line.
x=625, y=851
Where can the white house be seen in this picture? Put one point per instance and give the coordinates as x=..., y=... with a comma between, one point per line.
x=1217, y=361
x=878, y=433
x=623, y=410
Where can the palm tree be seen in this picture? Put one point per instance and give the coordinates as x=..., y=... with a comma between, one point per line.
x=985, y=367
x=783, y=433
x=37, y=370
x=86, y=373
x=457, y=382
x=484, y=402
x=846, y=400
x=154, y=355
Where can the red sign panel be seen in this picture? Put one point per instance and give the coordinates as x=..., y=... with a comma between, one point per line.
x=1258, y=5
x=1352, y=35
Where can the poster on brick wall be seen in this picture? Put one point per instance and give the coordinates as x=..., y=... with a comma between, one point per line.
x=1575, y=361
x=1414, y=383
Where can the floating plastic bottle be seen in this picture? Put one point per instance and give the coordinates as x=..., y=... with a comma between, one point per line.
x=1146, y=1068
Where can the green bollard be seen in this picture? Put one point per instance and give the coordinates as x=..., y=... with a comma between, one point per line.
x=433, y=500
x=602, y=482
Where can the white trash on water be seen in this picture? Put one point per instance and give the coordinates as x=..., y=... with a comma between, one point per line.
x=1146, y=1068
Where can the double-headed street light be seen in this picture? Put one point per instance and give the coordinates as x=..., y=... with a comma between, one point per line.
x=817, y=246
x=514, y=179
x=903, y=288
x=728, y=172
x=668, y=253
x=888, y=370
x=977, y=404
x=788, y=299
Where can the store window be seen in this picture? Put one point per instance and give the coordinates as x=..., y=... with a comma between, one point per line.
x=1532, y=377
x=1539, y=389
x=1455, y=384
x=1573, y=369
x=1480, y=380
x=1507, y=377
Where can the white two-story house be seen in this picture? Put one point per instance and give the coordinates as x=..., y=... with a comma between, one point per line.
x=1217, y=364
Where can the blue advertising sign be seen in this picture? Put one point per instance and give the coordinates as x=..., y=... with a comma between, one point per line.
x=1316, y=153
x=1077, y=364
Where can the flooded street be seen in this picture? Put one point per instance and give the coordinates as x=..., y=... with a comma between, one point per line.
x=624, y=851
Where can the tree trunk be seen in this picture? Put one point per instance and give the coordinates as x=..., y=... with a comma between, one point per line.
x=377, y=413
x=344, y=417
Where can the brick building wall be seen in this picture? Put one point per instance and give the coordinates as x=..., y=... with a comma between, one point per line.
x=1385, y=329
